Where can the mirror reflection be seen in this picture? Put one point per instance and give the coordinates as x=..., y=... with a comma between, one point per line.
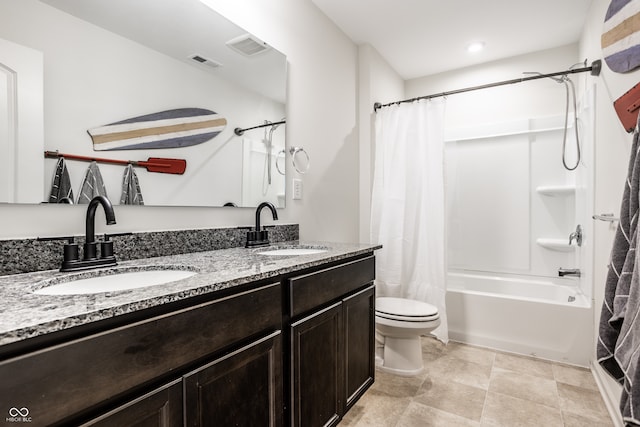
x=137, y=84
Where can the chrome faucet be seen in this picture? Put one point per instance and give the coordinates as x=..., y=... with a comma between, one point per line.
x=260, y=237
x=576, y=235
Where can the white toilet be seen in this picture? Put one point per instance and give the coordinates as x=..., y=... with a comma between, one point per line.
x=399, y=324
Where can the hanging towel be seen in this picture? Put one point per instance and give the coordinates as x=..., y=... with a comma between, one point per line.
x=61, y=191
x=619, y=328
x=92, y=185
x=131, y=194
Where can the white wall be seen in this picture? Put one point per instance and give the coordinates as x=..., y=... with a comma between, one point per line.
x=321, y=117
x=537, y=98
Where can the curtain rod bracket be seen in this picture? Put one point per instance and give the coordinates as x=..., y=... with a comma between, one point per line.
x=596, y=67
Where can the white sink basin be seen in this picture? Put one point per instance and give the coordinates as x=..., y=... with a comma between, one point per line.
x=115, y=282
x=292, y=251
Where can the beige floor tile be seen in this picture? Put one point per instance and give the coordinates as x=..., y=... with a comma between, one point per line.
x=469, y=373
x=581, y=401
x=450, y=396
x=573, y=420
x=418, y=415
x=472, y=354
x=579, y=377
x=376, y=410
x=433, y=345
x=506, y=411
x=524, y=386
x=452, y=391
x=524, y=365
x=396, y=386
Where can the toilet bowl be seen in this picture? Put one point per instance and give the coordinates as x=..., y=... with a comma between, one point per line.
x=399, y=324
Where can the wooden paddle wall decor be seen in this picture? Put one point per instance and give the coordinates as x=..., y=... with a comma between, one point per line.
x=177, y=128
x=620, y=37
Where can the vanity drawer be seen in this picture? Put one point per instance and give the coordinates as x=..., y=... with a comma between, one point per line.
x=309, y=291
x=69, y=378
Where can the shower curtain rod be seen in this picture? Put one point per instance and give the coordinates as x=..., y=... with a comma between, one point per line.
x=595, y=68
x=240, y=131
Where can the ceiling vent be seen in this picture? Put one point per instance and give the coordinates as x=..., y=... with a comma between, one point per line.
x=205, y=61
x=248, y=45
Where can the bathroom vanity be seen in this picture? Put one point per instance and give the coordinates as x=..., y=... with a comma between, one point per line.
x=252, y=339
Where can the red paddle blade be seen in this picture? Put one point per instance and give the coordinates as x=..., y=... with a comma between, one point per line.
x=163, y=165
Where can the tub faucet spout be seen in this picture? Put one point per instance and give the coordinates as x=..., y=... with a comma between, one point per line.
x=575, y=272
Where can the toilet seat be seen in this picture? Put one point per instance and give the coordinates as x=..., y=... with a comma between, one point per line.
x=405, y=310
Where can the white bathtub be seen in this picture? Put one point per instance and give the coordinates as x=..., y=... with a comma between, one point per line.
x=533, y=316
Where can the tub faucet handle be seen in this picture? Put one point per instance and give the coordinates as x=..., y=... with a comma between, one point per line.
x=576, y=235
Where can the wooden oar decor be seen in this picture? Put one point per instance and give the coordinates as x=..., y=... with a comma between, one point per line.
x=152, y=164
x=177, y=128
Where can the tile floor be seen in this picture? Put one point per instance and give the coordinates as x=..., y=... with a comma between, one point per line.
x=470, y=386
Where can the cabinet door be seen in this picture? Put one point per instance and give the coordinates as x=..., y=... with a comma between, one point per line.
x=243, y=388
x=317, y=371
x=159, y=408
x=359, y=327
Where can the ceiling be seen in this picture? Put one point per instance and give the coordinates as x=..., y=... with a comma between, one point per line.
x=423, y=37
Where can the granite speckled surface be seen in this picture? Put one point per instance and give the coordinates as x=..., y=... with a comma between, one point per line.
x=27, y=255
x=26, y=315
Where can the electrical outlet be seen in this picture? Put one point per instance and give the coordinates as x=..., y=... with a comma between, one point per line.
x=297, y=189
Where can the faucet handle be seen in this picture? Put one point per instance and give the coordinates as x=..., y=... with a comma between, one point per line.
x=71, y=251
x=577, y=235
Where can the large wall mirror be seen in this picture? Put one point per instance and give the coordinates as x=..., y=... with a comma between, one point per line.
x=68, y=67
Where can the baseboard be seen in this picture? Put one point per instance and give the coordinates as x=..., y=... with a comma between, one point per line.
x=610, y=391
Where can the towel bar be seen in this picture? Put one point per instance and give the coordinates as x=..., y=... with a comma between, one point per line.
x=606, y=217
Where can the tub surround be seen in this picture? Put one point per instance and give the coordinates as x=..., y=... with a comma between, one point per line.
x=28, y=255
x=27, y=315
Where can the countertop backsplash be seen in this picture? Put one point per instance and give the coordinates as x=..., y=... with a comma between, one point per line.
x=29, y=255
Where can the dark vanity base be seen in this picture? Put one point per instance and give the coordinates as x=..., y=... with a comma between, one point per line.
x=296, y=349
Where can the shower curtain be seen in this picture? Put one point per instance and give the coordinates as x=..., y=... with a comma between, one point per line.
x=407, y=206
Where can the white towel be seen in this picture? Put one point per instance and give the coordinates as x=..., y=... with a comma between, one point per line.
x=92, y=185
x=131, y=193
x=61, y=191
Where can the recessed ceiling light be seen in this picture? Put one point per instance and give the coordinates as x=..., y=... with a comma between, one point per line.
x=475, y=47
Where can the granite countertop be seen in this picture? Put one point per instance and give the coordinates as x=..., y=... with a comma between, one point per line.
x=26, y=315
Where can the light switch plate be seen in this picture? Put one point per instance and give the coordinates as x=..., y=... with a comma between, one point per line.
x=297, y=189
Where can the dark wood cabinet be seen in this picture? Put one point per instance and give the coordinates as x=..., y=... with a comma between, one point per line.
x=68, y=383
x=359, y=347
x=332, y=343
x=317, y=368
x=161, y=407
x=243, y=388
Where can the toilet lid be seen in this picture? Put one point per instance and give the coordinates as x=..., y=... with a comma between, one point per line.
x=405, y=309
